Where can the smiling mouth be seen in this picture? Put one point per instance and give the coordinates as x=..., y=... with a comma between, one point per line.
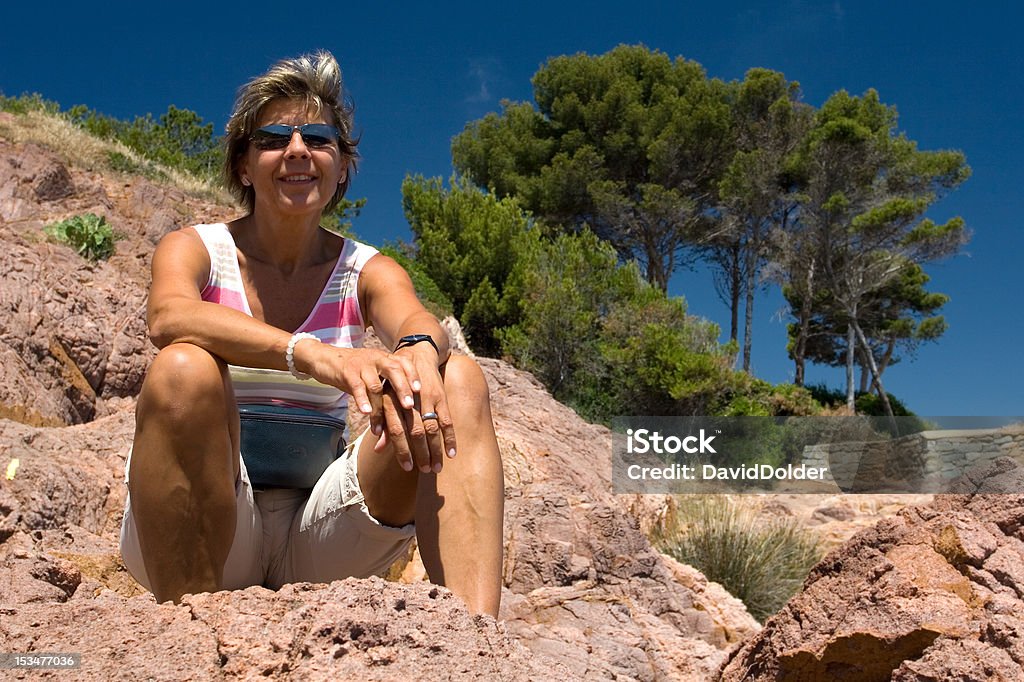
x=298, y=178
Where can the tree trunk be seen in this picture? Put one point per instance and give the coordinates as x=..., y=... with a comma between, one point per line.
x=878, y=379
x=748, y=313
x=800, y=352
x=887, y=357
x=735, y=290
x=865, y=373
x=655, y=266
x=850, y=351
x=798, y=360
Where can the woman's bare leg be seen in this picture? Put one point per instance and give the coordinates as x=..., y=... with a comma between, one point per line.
x=183, y=471
x=459, y=512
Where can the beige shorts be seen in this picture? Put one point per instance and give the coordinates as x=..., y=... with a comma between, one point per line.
x=286, y=536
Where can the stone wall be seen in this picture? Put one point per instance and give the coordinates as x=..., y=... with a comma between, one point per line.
x=928, y=461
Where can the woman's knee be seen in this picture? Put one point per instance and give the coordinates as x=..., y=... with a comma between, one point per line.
x=464, y=381
x=184, y=382
x=468, y=395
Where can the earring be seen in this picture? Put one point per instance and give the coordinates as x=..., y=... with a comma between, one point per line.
x=245, y=180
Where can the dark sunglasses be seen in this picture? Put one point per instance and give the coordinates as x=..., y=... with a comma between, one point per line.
x=279, y=136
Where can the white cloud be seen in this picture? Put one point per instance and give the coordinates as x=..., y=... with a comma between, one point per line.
x=483, y=72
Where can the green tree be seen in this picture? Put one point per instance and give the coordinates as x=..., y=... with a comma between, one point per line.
x=664, y=361
x=600, y=337
x=564, y=289
x=435, y=300
x=756, y=191
x=630, y=143
x=603, y=339
x=896, y=320
x=340, y=219
x=866, y=190
x=467, y=241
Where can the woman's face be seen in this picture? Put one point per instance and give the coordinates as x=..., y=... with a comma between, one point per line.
x=296, y=179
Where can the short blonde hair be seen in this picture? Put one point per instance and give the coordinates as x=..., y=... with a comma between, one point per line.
x=315, y=78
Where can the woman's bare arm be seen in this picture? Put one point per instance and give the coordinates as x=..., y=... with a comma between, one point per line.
x=177, y=314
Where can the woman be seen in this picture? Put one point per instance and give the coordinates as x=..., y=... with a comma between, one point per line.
x=270, y=308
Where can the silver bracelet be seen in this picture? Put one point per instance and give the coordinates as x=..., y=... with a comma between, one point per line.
x=289, y=354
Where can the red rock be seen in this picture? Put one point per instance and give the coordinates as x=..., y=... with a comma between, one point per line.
x=933, y=593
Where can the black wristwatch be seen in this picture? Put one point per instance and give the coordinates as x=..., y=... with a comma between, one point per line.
x=413, y=339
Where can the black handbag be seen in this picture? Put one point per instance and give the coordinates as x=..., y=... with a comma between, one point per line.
x=288, y=447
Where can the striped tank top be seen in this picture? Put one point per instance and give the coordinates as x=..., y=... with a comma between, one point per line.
x=335, y=320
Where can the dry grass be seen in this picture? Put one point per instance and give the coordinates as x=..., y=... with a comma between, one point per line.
x=81, y=149
x=762, y=562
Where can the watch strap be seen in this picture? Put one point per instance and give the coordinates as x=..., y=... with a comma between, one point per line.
x=413, y=339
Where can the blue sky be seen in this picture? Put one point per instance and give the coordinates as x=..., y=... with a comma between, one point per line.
x=419, y=71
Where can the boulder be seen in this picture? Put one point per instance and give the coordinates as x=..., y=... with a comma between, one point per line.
x=935, y=592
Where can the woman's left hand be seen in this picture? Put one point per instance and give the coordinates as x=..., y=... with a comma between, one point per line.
x=418, y=442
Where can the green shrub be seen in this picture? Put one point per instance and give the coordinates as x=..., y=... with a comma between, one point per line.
x=762, y=562
x=871, y=405
x=89, y=234
x=789, y=400
x=481, y=316
x=746, y=396
x=865, y=403
x=827, y=397
x=178, y=139
x=25, y=103
x=564, y=308
x=464, y=238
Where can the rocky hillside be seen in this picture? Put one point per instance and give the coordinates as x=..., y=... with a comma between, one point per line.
x=585, y=597
x=932, y=593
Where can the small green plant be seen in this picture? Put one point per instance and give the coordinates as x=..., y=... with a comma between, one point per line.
x=89, y=234
x=26, y=102
x=761, y=562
